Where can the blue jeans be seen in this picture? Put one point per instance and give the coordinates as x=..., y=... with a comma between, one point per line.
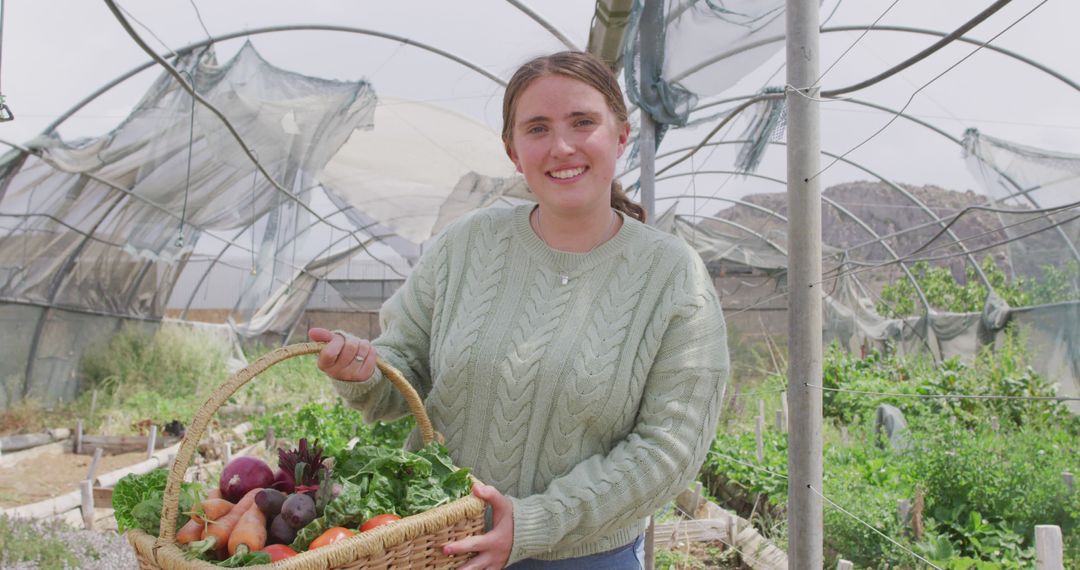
x=628, y=557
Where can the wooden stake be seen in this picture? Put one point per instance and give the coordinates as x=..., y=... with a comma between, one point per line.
x=844, y=565
x=93, y=403
x=994, y=425
x=92, y=472
x=270, y=441
x=759, y=427
x=783, y=408
x=780, y=421
x=1070, y=481
x=78, y=436
x=1049, y=549
x=151, y=442
x=650, y=544
x=843, y=435
x=86, y=489
x=228, y=452
x=761, y=409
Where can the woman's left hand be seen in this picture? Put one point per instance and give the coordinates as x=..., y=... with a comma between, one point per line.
x=493, y=547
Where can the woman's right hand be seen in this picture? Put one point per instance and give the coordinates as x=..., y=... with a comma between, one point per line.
x=344, y=357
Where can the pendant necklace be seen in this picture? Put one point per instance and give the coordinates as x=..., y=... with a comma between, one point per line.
x=564, y=277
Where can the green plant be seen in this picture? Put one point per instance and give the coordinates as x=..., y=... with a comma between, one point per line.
x=21, y=542
x=334, y=425
x=944, y=293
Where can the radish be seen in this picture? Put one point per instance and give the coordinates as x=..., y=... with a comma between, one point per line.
x=243, y=474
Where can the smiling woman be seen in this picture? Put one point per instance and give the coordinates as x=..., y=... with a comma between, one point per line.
x=572, y=356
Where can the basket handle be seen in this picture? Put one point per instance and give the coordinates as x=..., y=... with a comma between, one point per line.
x=171, y=499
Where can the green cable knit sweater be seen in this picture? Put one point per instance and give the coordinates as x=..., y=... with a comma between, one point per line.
x=590, y=403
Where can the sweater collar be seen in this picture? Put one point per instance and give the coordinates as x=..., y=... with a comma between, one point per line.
x=570, y=262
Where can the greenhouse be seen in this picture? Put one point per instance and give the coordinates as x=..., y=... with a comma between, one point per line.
x=186, y=187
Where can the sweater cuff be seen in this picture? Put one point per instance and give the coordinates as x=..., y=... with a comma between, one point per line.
x=355, y=391
x=531, y=535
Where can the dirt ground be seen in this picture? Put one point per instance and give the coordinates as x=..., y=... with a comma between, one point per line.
x=47, y=476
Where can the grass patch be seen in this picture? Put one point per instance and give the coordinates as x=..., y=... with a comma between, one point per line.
x=21, y=541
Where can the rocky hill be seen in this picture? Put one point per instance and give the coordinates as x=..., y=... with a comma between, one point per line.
x=887, y=211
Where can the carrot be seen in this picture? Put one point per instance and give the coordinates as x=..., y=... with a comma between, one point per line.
x=191, y=531
x=214, y=493
x=214, y=509
x=249, y=532
x=216, y=536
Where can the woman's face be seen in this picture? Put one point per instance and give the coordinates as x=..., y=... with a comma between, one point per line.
x=565, y=140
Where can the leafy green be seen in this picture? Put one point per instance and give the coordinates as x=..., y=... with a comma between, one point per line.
x=138, y=499
x=376, y=480
x=244, y=558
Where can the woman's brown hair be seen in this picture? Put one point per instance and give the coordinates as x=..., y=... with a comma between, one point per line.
x=589, y=70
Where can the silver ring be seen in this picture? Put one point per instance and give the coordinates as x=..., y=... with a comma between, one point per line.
x=360, y=359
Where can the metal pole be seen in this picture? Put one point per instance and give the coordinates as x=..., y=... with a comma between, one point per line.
x=649, y=32
x=649, y=38
x=805, y=519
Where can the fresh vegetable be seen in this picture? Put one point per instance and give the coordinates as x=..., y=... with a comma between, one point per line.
x=332, y=535
x=281, y=532
x=137, y=501
x=279, y=552
x=298, y=510
x=378, y=520
x=214, y=509
x=249, y=534
x=243, y=474
x=377, y=480
x=300, y=469
x=217, y=534
x=242, y=559
x=191, y=531
x=270, y=501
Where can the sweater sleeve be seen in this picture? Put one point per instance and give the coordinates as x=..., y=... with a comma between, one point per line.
x=675, y=426
x=406, y=322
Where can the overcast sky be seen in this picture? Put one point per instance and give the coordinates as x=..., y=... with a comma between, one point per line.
x=55, y=52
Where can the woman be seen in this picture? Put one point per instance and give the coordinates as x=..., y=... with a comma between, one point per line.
x=572, y=356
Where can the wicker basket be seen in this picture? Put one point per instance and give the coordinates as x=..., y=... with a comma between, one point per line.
x=412, y=542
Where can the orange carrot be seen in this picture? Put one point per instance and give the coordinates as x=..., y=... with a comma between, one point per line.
x=214, y=509
x=216, y=536
x=249, y=532
x=191, y=531
x=214, y=493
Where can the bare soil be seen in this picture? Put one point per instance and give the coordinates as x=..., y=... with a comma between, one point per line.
x=47, y=476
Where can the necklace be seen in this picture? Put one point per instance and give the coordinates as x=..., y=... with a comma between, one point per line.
x=564, y=277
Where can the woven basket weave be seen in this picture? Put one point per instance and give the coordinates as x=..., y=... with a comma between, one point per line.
x=412, y=542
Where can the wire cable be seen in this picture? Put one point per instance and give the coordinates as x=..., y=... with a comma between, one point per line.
x=750, y=465
x=950, y=396
x=949, y=38
x=871, y=527
x=198, y=15
x=853, y=44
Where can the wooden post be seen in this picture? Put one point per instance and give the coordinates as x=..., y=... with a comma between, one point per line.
x=650, y=544
x=228, y=452
x=761, y=409
x=86, y=490
x=152, y=442
x=78, y=436
x=844, y=565
x=733, y=529
x=270, y=441
x=994, y=425
x=92, y=472
x=843, y=435
x=780, y=421
x=93, y=403
x=1070, y=481
x=783, y=408
x=759, y=427
x=1049, y=549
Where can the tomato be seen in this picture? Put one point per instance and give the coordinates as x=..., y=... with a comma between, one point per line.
x=332, y=535
x=378, y=520
x=278, y=552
